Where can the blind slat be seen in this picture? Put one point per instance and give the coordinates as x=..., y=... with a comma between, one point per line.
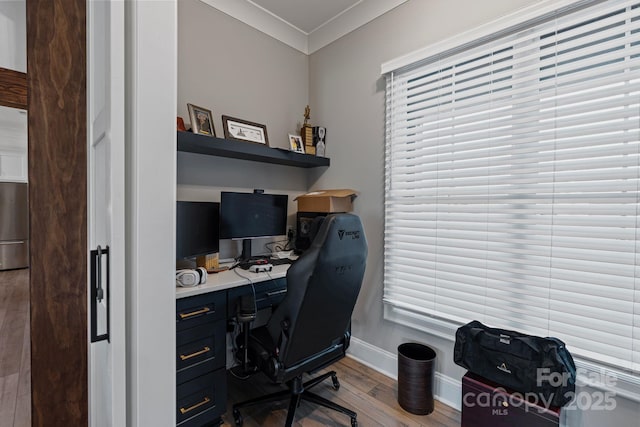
x=512, y=178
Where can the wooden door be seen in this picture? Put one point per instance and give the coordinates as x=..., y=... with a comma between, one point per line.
x=57, y=101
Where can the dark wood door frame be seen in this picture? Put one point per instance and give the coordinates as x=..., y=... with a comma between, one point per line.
x=56, y=83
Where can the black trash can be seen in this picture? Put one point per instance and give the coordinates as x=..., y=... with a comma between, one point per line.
x=416, y=365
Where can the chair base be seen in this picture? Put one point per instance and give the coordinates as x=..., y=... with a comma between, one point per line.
x=297, y=392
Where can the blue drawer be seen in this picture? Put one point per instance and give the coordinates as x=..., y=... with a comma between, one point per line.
x=193, y=311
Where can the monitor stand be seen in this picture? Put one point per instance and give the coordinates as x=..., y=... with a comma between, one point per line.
x=246, y=260
x=246, y=250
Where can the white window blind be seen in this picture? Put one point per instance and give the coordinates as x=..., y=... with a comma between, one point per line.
x=513, y=178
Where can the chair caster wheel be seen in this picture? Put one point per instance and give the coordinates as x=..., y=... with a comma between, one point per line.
x=354, y=422
x=237, y=418
x=336, y=383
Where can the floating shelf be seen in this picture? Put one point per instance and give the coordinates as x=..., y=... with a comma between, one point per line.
x=211, y=146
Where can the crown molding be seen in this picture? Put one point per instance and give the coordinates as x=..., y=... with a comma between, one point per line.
x=262, y=20
x=351, y=19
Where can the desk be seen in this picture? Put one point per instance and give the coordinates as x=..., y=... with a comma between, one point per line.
x=230, y=279
x=202, y=313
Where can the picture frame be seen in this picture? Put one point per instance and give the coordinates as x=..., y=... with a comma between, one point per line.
x=201, y=120
x=243, y=130
x=296, y=144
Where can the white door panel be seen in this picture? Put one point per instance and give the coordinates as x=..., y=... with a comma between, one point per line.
x=105, y=83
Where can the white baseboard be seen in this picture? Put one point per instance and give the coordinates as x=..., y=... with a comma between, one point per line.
x=374, y=357
x=447, y=390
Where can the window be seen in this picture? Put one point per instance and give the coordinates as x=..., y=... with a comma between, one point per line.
x=513, y=178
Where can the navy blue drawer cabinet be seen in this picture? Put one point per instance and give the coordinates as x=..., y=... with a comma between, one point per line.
x=200, y=360
x=268, y=294
x=201, y=327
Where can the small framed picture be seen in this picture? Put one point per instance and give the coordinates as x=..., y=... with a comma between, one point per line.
x=243, y=130
x=201, y=120
x=295, y=142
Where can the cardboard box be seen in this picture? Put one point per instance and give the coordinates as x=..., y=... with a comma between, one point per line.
x=327, y=201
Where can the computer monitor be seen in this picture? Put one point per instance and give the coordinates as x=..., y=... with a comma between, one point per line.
x=250, y=215
x=197, y=229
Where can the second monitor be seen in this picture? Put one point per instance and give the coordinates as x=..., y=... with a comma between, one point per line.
x=251, y=215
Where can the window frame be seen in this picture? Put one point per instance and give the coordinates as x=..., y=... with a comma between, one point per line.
x=628, y=384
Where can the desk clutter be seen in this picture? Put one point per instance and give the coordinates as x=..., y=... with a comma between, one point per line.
x=207, y=312
x=245, y=217
x=314, y=206
x=191, y=277
x=215, y=298
x=313, y=137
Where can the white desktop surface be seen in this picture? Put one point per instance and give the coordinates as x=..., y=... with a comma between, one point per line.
x=230, y=279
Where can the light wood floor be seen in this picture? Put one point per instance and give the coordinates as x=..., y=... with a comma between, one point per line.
x=372, y=395
x=15, y=359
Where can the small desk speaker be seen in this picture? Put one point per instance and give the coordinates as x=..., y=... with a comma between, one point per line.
x=306, y=228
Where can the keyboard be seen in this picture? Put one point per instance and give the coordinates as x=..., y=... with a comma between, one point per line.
x=273, y=261
x=280, y=261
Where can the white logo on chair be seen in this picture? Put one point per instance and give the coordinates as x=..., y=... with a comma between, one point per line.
x=503, y=368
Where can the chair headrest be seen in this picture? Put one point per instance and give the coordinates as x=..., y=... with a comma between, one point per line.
x=347, y=230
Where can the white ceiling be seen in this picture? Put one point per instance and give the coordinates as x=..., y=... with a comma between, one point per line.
x=306, y=25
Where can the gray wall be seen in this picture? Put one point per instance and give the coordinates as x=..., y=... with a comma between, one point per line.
x=235, y=70
x=232, y=69
x=347, y=96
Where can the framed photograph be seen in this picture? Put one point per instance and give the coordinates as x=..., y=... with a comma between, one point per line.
x=201, y=120
x=243, y=130
x=295, y=142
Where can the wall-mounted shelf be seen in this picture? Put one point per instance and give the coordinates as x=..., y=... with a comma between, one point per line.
x=201, y=144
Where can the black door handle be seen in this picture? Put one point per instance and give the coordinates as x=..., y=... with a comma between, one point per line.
x=97, y=291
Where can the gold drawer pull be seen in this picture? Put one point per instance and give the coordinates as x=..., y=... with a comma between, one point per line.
x=194, y=313
x=197, y=353
x=197, y=405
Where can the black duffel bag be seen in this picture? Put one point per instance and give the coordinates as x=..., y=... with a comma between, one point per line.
x=523, y=363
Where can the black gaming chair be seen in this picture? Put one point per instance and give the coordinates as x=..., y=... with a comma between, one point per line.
x=310, y=329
